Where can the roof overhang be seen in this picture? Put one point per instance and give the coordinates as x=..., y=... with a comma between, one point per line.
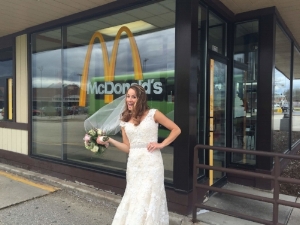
x=288, y=10
x=19, y=15
x=16, y=15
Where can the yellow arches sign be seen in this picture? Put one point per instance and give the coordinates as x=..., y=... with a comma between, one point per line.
x=109, y=65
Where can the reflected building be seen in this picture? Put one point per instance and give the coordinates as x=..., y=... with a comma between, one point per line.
x=56, y=95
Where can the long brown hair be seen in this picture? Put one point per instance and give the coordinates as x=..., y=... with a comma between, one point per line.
x=140, y=108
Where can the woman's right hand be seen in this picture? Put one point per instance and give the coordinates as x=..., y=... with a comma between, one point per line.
x=124, y=147
x=100, y=140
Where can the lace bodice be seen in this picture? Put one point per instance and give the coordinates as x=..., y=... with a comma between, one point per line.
x=145, y=132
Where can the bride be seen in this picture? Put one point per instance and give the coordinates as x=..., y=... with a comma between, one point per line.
x=144, y=201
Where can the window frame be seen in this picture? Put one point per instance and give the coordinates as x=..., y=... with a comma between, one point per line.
x=8, y=123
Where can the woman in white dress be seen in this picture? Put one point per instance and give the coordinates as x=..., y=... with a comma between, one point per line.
x=144, y=201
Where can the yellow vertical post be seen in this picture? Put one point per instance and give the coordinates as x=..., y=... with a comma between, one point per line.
x=245, y=99
x=211, y=121
x=10, y=99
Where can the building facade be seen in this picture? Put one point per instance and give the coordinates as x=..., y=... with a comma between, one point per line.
x=227, y=79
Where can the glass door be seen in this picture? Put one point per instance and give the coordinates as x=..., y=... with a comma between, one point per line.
x=217, y=116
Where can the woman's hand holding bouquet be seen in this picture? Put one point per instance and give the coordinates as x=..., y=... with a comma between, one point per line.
x=102, y=140
x=95, y=141
x=108, y=119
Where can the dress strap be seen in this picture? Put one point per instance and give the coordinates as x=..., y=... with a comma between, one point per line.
x=151, y=113
x=122, y=124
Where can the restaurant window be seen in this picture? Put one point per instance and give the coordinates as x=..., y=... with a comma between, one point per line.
x=138, y=46
x=245, y=90
x=296, y=99
x=46, y=93
x=6, y=84
x=281, y=92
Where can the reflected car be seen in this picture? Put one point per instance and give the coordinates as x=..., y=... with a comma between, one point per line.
x=286, y=111
x=286, y=107
x=72, y=110
x=36, y=112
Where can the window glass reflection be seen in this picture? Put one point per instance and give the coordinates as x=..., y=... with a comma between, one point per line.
x=153, y=43
x=296, y=98
x=6, y=75
x=217, y=34
x=281, y=92
x=46, y=93
x=244, y=90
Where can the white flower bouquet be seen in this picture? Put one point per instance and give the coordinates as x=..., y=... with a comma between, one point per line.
x=90, y=141
x=107, y=119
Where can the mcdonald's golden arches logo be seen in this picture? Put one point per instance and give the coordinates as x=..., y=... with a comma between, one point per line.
x=109, y=65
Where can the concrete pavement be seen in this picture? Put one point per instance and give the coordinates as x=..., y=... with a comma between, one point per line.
x=286, y=215
x=25, y=189
x=15, y=189
x=37, y=206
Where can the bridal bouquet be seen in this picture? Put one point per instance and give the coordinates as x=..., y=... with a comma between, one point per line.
x=90, y=141
x=107, y=119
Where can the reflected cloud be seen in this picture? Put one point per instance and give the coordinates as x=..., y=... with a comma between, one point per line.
x=156, y=50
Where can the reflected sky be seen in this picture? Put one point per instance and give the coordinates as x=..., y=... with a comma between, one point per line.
x=5, y=68
x=156, y=49
x=282, y=83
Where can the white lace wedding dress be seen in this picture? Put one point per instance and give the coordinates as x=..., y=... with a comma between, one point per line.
x=144, y=201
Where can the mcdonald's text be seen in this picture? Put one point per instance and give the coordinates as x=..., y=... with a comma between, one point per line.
x=110, y=87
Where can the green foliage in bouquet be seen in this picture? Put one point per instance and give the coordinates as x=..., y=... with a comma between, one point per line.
x=90, y=141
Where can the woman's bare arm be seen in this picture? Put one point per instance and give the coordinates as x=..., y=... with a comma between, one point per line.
x=124, y=147
x=169, y=124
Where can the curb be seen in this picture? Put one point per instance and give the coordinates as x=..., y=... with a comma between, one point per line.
x=85, y=191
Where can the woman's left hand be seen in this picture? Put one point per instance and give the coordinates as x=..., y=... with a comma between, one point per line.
x=153, y=146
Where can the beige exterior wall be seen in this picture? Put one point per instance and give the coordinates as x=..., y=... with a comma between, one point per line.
x=14, y=140
x=21, y=80
x=11, y=139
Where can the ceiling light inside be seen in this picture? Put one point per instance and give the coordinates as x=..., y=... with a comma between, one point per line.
x=135, y=27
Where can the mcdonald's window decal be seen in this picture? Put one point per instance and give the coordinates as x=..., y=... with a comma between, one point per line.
x=109, y=86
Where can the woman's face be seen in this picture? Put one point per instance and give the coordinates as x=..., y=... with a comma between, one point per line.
x=131, y=99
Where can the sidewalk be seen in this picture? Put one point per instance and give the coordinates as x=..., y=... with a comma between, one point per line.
x=287, y=215
x=32, y=192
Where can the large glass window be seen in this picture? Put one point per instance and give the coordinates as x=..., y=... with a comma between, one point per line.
x=281, y=92
x=46, y=93
x=296, y=98
x=244, y=90
x=138, y=46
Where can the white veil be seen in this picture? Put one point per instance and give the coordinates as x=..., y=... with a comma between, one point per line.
x=107, y=118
